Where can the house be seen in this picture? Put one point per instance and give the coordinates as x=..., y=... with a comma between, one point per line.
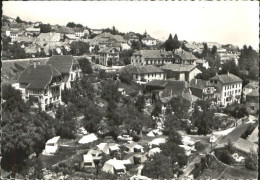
x=146, y=73
x=184, y=57
x=32, y=31
x=149, y=41
x=202, y=63
x=41, y=84
x=211, y=44
x=175, y=88
x=88, y=139
x=52, y=145
x=68, y=66
x=249, y=88
x=31, y=51
x=25, y=39
x=183, y=72
x=131, y=37
x=48, y=37
x=202, y=89
x=79, y=32
x=108, y=56
x=69, y=38
x=252, y=102
x=65, y=31
x=152, y=57
x=114, y=166
x=229, y=87
x=14, y=34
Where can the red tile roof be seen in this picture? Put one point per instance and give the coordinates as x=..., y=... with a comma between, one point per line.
x=227, y=78
x=38, y=77
x=63, y=63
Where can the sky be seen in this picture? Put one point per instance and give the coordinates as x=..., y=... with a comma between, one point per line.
x=235, y=22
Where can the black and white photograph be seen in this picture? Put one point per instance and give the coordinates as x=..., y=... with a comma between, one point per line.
x=135, y=90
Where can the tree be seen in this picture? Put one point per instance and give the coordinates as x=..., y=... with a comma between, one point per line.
x=214, y=50
x=18, y=20
x=6, y=41
x=236, y=110
x=251, y=161
x=180, y=106
x=140, y=103
x=205, y=51
x=92, y=118
x=176, y=44
x=45, y=28
x=158, y=167
x=157, y=109
x=169, y=43
x=136, y=45
x=79, y=48
x=96, y=48
x=125, y=77
x=206, y=74
x=102, y=74
x=126, y=56
x=71, y=25
x=85, y=66
x=230, y=66
x=110, y=91
x=79, y=26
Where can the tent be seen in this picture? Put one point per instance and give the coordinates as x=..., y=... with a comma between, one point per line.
x=155, y=132
x=153, y=151
x=139, y=177
x=157, y=142
x=187, y=149
x=52, y=145
x=88, y=139
x=114, y=166
x=107, y=148
x=96, y=154
x=133, y=147
x=88, y=160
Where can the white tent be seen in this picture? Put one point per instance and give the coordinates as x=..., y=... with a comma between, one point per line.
x=157, y=141
x=108, y=147
x=151, y=134
x=88, y=138
x=88, y=160
x=153, y=151
x=114, y=166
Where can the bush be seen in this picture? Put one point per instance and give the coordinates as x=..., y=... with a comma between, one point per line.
x=224, y=156
x=251, y=162
x=199, y=146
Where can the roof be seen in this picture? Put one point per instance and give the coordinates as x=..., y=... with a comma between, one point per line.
x=63, y=63
x=227, y=78
x=53, y=140
x=148, y=38
x=106, y=49
x=245, y=145
x=184, y=55
x=88, y=138
x=199, y=83
x=87, y=158
x=31, y=50
x=65, y=30
x=38, y=77
x=145, y=69
x=33, y=29
x=25, y=39
x=48, y=37
x=154, y=53
x=254, y=93
x=252, y=86
x=174, y=88
x=160, y=83
x=179, y=67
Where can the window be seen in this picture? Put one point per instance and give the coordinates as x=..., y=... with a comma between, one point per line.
x=50, y=100
x=252, y=108
x=148, y=75
x=236, y=91
x=136, y=76
x=225, y=93
x=46, y=101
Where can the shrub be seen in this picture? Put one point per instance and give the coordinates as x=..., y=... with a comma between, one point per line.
x=251, y=162
x=199, y=146
x=224, y=156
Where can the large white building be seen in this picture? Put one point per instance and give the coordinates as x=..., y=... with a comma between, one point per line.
x=149, y=41
x=229, y=88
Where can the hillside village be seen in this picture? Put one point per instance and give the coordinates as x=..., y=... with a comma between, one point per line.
x=97, y=103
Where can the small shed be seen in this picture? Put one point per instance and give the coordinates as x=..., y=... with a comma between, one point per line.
x=52, y=145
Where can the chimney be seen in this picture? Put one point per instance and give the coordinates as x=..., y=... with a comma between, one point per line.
x=34, y=64
x=228, y=73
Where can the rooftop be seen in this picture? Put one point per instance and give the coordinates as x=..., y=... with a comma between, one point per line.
x=254, y=93
x=154, y=53
x=184, y=55
x=227, y=78
x=199, y=83
x=179, y=67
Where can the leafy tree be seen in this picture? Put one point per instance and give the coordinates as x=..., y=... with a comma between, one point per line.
x=126, y=56
x=45, y=28
x=214, y=50
x=176, y=43
x=125, y=77
x=205, y=51
x=236, y=110
x=79, y=26
x=230, y=66
x=206, y=74
x=71, y=25
x=92, y=118
x=158, y=167
x=140, y=103
x=136, y=45
x=171, y=121
x=251, y=161
x=18, y=20
x=254, y=73
x=102, y=74
x=79, y=48
x=249, y=58
x=180, y=106
x=157, y=109
x=6, y=41
x=110, y=91
x=85, y=66
x=169, y=43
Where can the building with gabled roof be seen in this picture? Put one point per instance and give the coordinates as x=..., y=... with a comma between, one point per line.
x=108, y=56
x=184, y=57
x=149, y=41
x=229, y=87
x=147, y=73
x=152, y=57
x=41, y=84
x=68, y=66
x=183, y=72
